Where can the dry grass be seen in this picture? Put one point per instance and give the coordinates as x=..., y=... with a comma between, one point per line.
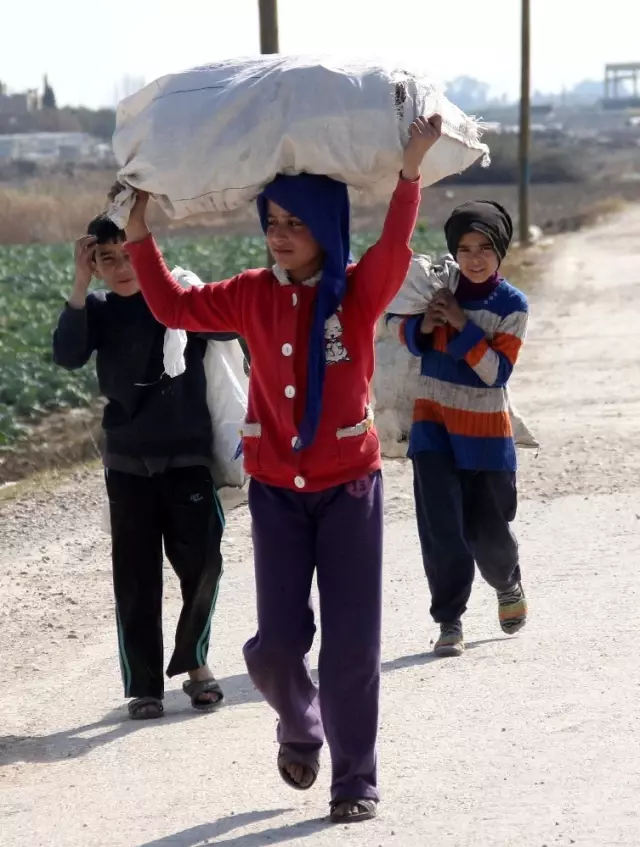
x=57, y=207
x=597, y=211
x=50, y=209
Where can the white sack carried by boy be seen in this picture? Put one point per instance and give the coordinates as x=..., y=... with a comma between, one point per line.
x=209, y=139
x=227, y=392
x=396, y=379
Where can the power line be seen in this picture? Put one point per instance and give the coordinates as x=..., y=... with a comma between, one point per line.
x=525, y=123
x=269, y=43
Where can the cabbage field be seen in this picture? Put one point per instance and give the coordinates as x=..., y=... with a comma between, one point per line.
x=34, y=282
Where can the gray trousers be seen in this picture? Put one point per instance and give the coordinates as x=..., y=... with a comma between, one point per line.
x=463, y=521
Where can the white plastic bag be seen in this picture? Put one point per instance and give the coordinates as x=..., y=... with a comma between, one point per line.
x=175, y=343
x=209, y=139
x=396, y=378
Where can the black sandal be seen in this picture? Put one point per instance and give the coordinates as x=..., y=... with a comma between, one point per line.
x=342, y=810
x=195, y=689
x=145, y=709
x=311, y=765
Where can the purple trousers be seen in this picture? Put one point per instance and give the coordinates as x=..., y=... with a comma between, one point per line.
x=337, y=532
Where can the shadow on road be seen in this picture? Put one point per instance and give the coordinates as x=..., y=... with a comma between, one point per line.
x=70, y=743
x=77, y=741
x=275, y=835
x=204, y=834
x=471, y=645
x=426, y=658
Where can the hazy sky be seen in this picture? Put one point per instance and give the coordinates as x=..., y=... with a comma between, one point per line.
x=88, y=47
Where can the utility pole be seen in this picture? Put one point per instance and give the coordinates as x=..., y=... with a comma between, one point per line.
x=269, y=42
x=525, y=123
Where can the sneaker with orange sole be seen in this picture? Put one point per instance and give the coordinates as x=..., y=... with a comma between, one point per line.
x=512, y=609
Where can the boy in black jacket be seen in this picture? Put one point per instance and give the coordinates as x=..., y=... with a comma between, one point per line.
x=158, y=471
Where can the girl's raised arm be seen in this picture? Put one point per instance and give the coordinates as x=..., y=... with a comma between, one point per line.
x=384, y=266
x=211, y=308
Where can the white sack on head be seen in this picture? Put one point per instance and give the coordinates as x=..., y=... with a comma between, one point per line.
x=396, y=379
x=209, y=139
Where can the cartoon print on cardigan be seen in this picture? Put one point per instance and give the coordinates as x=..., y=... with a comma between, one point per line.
x=334, y=348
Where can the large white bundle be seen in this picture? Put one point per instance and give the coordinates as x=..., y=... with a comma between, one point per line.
x=397, y=377
x=210, y=138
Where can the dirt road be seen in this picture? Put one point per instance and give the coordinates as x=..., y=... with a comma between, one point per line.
x=531, y=741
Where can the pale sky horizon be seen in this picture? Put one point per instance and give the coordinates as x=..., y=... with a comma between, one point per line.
x=88, y=49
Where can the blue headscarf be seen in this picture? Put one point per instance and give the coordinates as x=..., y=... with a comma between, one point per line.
x=322, y=204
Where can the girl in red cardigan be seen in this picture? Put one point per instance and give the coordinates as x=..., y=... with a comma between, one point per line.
x=313, y=455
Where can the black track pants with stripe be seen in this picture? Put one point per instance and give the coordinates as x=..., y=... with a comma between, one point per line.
x=179, y=507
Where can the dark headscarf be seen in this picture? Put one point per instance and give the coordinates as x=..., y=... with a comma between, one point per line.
x=322, y=204
x=485, y=216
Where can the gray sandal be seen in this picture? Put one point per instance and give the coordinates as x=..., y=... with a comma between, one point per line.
x=145, y=709
x=195, y=689
x=341, y=810
x=310, y=763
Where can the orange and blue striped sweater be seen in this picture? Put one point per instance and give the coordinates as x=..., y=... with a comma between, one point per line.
x=462, y=405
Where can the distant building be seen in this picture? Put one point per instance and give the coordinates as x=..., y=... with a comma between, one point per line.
x=16, y=110
x=622, y=86
x=48, y=148
x=17, y=105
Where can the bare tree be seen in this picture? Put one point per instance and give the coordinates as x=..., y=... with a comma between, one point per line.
x=48, y=95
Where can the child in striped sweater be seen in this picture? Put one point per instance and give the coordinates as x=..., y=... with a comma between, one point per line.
x=461, y=440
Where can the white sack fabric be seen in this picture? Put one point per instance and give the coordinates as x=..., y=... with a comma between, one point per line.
x=397, y=374
x=227, y=391
x=209, y=139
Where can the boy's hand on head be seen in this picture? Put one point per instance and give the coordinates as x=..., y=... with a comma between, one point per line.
x=423, y=134
x=83, y=256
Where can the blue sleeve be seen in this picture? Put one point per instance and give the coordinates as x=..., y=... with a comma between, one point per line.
x=416, y=341
x=466, y=340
